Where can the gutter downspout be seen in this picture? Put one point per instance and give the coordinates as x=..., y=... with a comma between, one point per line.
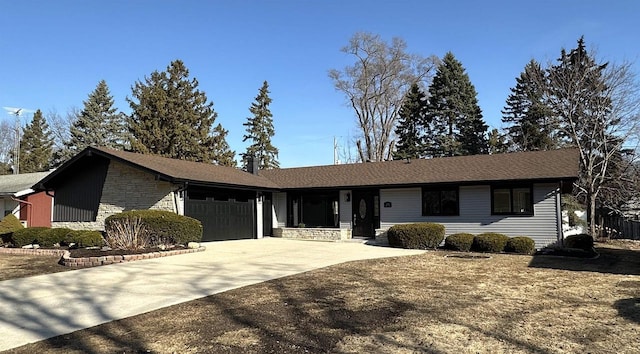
x=29, y=208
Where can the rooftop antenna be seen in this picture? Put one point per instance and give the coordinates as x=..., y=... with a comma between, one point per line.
x=17, y=112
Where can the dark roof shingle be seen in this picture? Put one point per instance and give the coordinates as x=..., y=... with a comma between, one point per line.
x=538, y=165
x=180, y=170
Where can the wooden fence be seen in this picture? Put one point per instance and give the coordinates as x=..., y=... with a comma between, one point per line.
x=627, y=229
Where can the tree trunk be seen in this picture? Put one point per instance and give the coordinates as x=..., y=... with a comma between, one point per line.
x=592, y=215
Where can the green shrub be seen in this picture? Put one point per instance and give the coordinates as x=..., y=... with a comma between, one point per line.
x=48, y=238
x=9, y=224
x=581, y=241
x=57, y=235
x=523, y=245
x=418, y=235
x=86, y=238
x=30, y=235
x=459, y=242
x=164, y=227
x=489, y=242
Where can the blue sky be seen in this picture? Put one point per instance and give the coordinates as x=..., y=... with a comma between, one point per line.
x=53, y=53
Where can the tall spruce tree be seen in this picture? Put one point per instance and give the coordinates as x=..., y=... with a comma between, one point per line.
x=172, y=118
x=98, y=124
x=497, y=142
x=455, y=118
x=260, y=131
x=36, y=145
x=221, y=149
x=529, y=118
x=410, y=129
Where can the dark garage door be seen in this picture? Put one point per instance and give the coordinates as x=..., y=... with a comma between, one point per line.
x=223, y=220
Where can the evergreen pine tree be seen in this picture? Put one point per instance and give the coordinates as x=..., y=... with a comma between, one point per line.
x=410, y=125
x=98, y=124
x=260, y=131
x=456, y=119
x=497, y=142
x=221, y=149
x=529, y=117
x=172, y=118
x=36, y=146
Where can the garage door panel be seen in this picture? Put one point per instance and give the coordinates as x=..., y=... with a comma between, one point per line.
x=223, y=220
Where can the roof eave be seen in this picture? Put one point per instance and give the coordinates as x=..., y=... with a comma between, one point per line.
x=227, y=185
x=442, y=183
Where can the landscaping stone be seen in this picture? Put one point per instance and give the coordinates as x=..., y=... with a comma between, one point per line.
x=34, y=246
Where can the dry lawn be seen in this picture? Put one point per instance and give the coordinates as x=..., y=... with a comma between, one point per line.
x=20, y=266
x=419, y=304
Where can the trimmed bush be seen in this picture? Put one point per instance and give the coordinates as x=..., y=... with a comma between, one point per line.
x=57, y=235
x=164, y=227
x=30, y=235
x=86, y=238
x=581, y=241
x=522, y=244
x=459, y=242
x=489, y=242
x=418, y=235
x=8, y=225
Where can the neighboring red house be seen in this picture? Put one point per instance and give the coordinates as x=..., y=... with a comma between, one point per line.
x=36, y=209
x=16, y=197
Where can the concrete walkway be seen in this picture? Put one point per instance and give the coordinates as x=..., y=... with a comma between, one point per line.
x=40, y=307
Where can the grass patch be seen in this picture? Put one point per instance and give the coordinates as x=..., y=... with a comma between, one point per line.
x=20, y=266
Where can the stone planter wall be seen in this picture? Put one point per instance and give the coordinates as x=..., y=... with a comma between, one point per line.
x=32, y=251
x=323, y=234
x=86, y=262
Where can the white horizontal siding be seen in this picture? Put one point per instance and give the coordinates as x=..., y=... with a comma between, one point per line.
x=280, y=209
x=475, y=213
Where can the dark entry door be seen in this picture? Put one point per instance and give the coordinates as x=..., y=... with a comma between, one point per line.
x=364, y=210
x=267, y=216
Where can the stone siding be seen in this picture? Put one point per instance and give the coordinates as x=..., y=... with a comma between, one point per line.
x=79, y=225
x=312, y=233
x=127, y=188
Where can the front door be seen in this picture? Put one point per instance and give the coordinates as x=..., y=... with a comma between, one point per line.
x=364, y=213
x=267, y=215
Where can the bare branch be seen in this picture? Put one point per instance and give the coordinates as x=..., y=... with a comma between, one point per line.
x=375, y=86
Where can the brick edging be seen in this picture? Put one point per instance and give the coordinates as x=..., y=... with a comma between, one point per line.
x=32, y=251
x=87, y=262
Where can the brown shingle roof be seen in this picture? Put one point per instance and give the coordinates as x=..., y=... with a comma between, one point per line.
x=193, y=171
x=181, y=170
x=538, y=165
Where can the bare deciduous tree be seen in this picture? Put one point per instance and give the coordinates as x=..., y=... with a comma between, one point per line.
x=60, y=127
x=375, y=86
x=7, y=136
x=598, y=110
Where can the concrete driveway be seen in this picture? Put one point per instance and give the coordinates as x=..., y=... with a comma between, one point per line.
x=40, y=307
